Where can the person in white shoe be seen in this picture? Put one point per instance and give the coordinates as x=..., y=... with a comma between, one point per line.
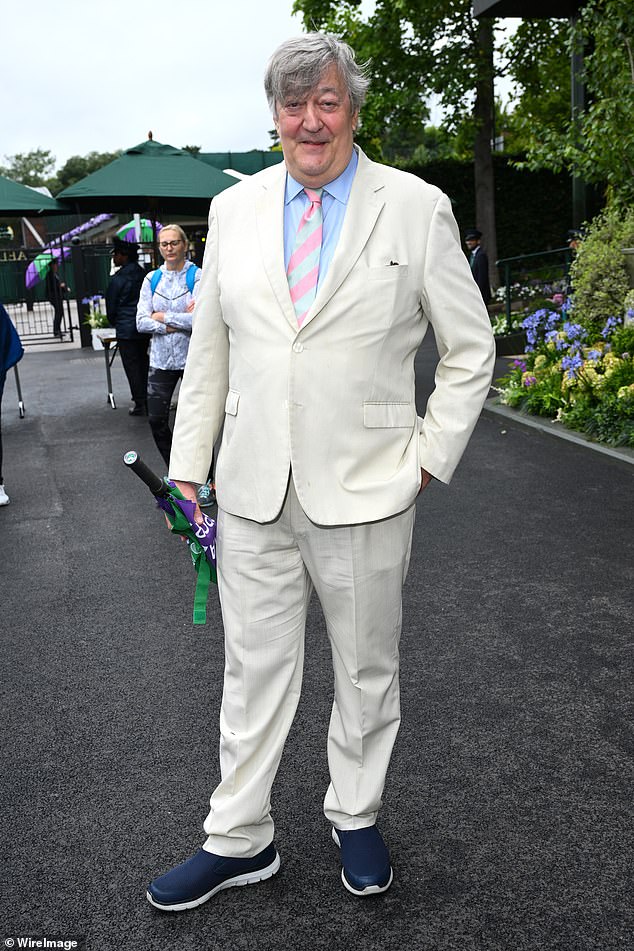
x=321, y=277
x=11, y=351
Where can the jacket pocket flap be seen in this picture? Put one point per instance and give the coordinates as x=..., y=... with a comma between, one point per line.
x=388, y=415
x=231, y=403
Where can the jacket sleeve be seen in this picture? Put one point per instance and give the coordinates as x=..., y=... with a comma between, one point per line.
x=453, y=305
x=144, y=322
x=205, y=384
x=112, y=296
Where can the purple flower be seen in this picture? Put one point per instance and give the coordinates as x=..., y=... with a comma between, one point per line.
x=594, y=354
x=574, y=331
x=529, y=380
x=519, y=365
x=611, y=323
x=571, y=364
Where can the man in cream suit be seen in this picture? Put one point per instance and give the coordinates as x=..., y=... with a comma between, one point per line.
x=303, y=349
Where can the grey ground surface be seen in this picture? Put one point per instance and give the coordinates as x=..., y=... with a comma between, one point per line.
x=508, y=807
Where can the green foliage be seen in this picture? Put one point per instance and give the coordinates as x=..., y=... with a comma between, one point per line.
x=533, y=209
x=77, y=167
x=192, y=149
x=539, y=66
x=29, y=168
x=598, y=144
x=415, y=48
x=599, y=274
x=580, y=363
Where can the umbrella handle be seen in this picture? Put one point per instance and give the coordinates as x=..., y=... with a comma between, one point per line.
x=156, y=485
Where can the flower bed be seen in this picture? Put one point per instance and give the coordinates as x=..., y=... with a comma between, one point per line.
x=578, y=365
x=586, y=384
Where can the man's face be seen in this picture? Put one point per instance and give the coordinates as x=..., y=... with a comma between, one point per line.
x=119, y=259
x=471, y=243
x=316, y=132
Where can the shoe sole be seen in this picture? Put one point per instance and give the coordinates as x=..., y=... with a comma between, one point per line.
x=248, y=878
x=370, y=889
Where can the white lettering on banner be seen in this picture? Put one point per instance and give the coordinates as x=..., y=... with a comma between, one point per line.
x=15, y=256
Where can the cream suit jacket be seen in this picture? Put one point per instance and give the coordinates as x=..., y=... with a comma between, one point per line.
x=332, y=401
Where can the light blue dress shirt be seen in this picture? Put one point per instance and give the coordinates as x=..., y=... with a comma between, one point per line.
x=334, y=201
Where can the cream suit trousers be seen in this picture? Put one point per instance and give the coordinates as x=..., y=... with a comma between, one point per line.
x=266, y=577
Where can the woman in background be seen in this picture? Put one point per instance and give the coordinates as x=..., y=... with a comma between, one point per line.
x=165, y=310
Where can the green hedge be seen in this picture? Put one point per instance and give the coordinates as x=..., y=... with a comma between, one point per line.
x=533, y=210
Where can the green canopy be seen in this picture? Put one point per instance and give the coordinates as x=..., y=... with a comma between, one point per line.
x=19, y=200
x=248, y=163
x=150, y=177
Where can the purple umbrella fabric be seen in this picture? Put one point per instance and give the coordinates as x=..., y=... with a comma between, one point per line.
x=127, y=232
x=36, y=271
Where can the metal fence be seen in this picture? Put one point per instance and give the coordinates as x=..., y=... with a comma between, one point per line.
x=526, y=275
x=31, y=312
x=85, y=272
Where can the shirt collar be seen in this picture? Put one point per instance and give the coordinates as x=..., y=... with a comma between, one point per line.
x=339, y=188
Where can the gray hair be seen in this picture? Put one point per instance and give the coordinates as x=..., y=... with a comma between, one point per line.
x=299, y=63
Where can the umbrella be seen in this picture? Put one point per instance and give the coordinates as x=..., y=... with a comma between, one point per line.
x=201, y=539
x=36, y=271
x=20, y=200
x=150, y=177
x=128, y=231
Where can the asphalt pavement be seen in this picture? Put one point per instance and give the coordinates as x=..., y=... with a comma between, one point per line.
x=508, y=807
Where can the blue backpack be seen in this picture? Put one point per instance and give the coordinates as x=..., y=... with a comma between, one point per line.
x=190, y=278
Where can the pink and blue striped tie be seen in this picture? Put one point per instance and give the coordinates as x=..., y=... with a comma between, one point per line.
x=303, y=267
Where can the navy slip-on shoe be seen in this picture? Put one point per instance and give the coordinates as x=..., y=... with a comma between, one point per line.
x=365, y=860
x=196, y=880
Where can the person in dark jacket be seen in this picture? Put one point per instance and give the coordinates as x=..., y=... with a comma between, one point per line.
x=122, y=297
x=479, y=262
x=55, y=289
x=11, y=351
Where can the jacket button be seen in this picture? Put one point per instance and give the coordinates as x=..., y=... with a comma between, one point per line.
x=298, y=347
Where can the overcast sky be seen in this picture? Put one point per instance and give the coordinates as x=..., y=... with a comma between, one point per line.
x=96, y=75
x=84, y=75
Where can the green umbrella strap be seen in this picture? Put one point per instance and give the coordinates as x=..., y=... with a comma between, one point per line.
x=204, y=571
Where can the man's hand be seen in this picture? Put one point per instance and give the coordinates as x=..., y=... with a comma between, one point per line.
x=188, y=490
x=425, y=479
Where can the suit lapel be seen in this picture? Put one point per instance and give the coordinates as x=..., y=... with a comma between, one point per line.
x=364, y=207
x=270, y=225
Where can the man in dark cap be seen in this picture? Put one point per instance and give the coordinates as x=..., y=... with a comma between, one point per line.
x=122, y=297
x=479, y=262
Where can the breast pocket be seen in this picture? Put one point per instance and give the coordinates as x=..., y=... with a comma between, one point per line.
x=388, y=272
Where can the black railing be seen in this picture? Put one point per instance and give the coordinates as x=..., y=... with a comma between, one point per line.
x=525, y=275
x=31, y=311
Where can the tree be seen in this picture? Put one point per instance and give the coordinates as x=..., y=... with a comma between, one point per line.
x=77, y=167
x=538, y=61
x=29, y=168
x=192, y=149
x=416, y=48
x=393, y=118
x=597, y=143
